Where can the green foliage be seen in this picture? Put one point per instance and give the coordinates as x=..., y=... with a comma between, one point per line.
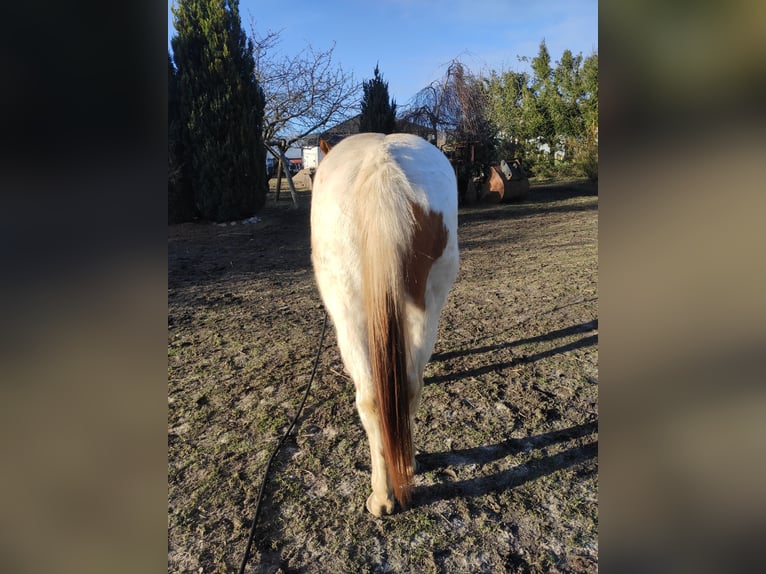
x=378, y=113
x=542, y=113
x=220, y=109
x=541, y=67
x=557, y=105
x=567, y=83
x=585, y=157
x=180, y=199
x=590, y=91
x=505, y=96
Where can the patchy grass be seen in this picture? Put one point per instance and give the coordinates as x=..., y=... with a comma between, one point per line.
x=507, y=431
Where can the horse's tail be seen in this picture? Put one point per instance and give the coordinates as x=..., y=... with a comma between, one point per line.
x=386, y=227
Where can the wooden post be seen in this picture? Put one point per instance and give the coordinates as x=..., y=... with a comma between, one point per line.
x=279, y=177
x=283, y=169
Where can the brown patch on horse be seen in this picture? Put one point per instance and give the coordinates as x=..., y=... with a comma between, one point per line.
x=324, y=146
x=428, y=243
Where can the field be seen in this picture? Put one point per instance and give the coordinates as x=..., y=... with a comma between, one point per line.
x=507, y=432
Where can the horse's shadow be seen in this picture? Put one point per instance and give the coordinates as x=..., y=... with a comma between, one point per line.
x=587, y=341
x=506, y=479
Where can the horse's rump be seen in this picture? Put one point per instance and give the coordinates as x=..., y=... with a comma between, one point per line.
x=383, y=212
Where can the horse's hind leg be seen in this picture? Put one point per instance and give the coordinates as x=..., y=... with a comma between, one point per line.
x=416, y=391
x=352, y=345
x=381, y=501
x=418, y=354
x=423, y=326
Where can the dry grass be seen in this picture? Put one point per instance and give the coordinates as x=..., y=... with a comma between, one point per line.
x=507, y=432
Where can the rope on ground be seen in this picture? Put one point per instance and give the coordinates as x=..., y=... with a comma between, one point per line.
x=246, y=557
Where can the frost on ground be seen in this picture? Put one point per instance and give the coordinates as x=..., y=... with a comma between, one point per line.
x=507, y=431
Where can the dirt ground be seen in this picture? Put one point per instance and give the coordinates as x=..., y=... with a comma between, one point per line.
x=507, y=432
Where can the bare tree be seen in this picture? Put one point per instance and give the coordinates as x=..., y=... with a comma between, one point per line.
x=457, y=104
x=472, y=109
x=432, y=106
x=304, y=93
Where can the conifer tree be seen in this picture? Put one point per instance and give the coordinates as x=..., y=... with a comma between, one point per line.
x=378, y=112
x=221, y=109
x=180, y=199
x=590, y=87
x=567, y=79
x=540, y=101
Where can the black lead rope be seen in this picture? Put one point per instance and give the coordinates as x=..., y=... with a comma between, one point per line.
x=276, y=450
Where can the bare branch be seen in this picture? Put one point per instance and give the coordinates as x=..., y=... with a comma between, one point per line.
x=456, y=104
x=304, y=92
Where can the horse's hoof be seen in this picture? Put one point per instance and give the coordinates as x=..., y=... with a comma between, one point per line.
x=378, y=507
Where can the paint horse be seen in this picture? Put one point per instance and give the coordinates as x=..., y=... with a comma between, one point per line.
x=384, y=250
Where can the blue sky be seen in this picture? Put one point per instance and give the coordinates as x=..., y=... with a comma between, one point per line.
x=414, y=40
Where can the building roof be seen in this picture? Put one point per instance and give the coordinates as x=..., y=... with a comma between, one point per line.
x=351, y=126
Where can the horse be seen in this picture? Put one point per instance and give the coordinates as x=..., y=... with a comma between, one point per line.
x=385, y=255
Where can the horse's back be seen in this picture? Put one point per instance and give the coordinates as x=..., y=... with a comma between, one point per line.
x=340, y=176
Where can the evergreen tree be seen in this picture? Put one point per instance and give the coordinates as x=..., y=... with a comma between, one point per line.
x=506, y=96
x=587, y=157
x=555, y=105
x=541, y=68
x=590, y=89
x=180, y=199
x=540, y=103
x=221, y=109
x=569, y=95
x=378, y=113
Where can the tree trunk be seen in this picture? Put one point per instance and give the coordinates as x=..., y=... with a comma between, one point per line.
x=289, y=177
